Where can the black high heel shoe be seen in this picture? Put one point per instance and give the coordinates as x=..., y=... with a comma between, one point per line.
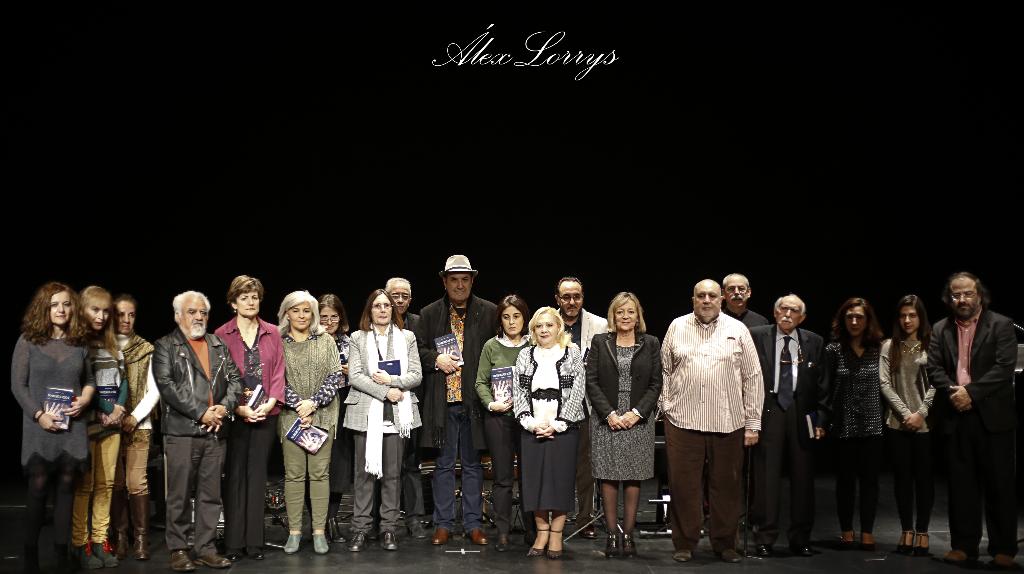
x=628, y=545
x=611, y=545
x=554, y=554
x=534, y=552
x=906, y=546
x=919, y=549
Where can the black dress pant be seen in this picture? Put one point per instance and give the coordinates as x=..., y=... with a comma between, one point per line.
x=911, y=456
x=503, y=441
x=245, y=482
x=779, y=448
x=860, y=460
x=981, y=461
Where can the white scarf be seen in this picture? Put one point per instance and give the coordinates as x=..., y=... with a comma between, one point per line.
x=375, y=415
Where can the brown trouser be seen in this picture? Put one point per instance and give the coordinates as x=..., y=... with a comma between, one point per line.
x=686, y=451
x=131, y=463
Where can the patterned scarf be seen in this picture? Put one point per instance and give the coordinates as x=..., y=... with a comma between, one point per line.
x=454, y=380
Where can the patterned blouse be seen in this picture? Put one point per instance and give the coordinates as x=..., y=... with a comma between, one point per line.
x=856, y=391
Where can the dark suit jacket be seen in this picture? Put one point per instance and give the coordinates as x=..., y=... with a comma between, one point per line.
x=434, y=321
x=811, y=383
x=603, y=376
x=993, y=358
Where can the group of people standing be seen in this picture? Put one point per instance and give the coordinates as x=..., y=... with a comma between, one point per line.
x=570, y=397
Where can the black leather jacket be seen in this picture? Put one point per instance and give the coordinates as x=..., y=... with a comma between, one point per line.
x=184, y=388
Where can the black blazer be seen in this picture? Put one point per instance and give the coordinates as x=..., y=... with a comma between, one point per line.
x=993, y=358
x=433, y=322
x=603, y=376
x=812, y=390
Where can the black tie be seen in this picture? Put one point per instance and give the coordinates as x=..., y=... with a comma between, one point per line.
x=786, y=375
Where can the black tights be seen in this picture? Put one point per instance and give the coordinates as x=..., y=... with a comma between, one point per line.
x=630, y=504
x=41, y=476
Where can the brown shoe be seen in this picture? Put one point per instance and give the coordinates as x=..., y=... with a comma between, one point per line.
x=214, y=560
x=180, y=562
x=682, y=555
x=729, y=555
x=440, y=537
x=1003, y=561
x=955, y=557
x=477, y=536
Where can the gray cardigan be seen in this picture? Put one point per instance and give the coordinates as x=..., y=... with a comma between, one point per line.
x=364, y=389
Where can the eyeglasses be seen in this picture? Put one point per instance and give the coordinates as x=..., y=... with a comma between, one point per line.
x=329, y=320
x=400, y=296
x=382, y=306
x=567, y=298
x=965, y=296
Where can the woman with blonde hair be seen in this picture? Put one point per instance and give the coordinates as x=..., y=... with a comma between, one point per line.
x=623, y=383
x=92, y=548
x=312, y=375
x=548, y=387
x=49, y=357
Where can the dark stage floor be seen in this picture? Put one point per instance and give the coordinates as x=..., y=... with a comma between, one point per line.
x=582, y=555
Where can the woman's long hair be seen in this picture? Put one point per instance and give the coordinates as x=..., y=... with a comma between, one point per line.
x=872, y=330
x=924, y=331
x=36, y=326
x=105, y=338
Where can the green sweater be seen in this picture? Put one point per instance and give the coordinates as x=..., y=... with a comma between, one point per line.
x=495, y=355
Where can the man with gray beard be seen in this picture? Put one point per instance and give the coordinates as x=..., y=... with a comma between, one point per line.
x=199, y=385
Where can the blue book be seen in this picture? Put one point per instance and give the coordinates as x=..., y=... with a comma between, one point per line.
x=108, y=392
x=449, y=344
x=56, y=401
x=392, y=367
x=310, y=439
x=501, y=384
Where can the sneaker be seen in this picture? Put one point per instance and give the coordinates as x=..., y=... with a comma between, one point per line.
x=106, y=553
x=83, y=554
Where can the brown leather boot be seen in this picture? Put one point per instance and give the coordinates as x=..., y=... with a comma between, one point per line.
x=119, y=523
x=140, y=518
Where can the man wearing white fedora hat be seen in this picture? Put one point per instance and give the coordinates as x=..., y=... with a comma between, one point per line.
x=450, y=423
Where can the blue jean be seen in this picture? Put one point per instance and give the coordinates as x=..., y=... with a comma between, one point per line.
x=458, y=443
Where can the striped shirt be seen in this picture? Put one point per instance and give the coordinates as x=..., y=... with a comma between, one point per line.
x=712, y=376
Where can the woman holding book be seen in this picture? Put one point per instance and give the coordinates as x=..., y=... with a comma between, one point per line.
x=548, y=388
x=90, y=518
x=909, y=395
x=49, y=360
x=256, y=348
x=623, y=383
x=494, y=388
x=335, y=322
x=853, y=358
x=312, y=375
x=381, y=411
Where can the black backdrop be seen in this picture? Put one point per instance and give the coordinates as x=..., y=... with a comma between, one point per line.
x=830, y=152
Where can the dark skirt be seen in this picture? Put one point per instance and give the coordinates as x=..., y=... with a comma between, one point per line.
x=548, y=471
